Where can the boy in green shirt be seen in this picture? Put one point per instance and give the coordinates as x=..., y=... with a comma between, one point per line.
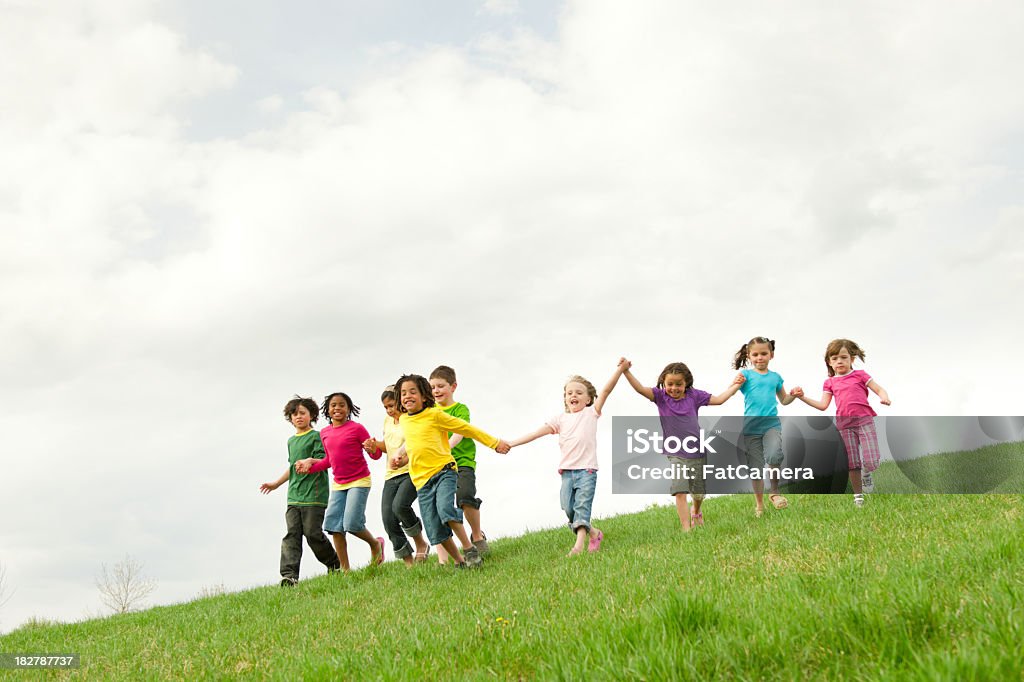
x=307, y=495
x=443, y=385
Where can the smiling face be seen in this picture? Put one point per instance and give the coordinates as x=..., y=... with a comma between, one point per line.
x=675, y=386
x=300, y=419
x=338, y=410
x=759, y=354
x=442, y=391
x=410, y=397
x=841, y=362
x=577, y=396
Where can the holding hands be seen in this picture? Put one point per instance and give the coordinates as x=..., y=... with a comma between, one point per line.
x=502, y=447
x=304, y=465
x=797, y=392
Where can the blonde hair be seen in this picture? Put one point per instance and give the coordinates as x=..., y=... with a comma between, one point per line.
x=576, y=378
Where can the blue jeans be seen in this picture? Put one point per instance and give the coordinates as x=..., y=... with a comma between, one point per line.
x=346, y=511
x=437, y=505
x=577, y=496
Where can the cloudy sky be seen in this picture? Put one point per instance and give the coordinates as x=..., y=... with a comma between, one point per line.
x=206, y=208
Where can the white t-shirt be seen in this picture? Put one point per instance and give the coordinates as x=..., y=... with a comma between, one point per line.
x=577, y=438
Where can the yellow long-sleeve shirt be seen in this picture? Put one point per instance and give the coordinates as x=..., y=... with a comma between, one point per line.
x=426, y=441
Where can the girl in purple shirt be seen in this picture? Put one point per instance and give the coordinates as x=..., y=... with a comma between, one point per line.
x=678, y=402
x=854, y=416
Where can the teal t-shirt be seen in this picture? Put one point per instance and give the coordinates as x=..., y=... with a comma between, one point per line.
x=760, y=404
x=307, y=490
x=465, y=452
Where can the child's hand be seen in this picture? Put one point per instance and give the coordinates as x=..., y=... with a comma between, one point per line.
x=267, y=488
x=370, y=446
x=886, y=401
x=399, y=461
x=740, y=378
x=797, y=392
x=303, y=466
x=625, y=365
x=502, y=447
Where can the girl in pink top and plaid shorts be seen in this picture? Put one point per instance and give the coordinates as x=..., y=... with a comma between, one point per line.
x=854, y=416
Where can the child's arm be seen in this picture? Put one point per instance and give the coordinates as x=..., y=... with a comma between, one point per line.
x=267, y=488
x=371, y=444
x=464, y=428
x=363, y=436
x=729, y=392
x=882, y=394
x=545, y=430
x=826, y=399
x=784, y=398
x=633, y=381
x=607, y=390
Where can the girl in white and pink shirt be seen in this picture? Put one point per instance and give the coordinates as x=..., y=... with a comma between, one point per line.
x=577, y=439
x=854, y=415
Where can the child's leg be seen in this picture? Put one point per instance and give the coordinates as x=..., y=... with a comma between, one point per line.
x=585, y=485
x=355, y=522
x=451, y=516
x=698, y=488
x=772, y=451
x=291, y=544
x=334, y=524
x=405, y=495
x=566, y=497
x=341, y=549
x=468, y=502
x=754, y=445
x=851, y=440
x=312, y=528
x=683, y=510
x=437, y=531
x=399, y=543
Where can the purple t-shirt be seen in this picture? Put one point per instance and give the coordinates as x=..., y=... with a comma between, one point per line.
x=851, y=395
x=679, y=417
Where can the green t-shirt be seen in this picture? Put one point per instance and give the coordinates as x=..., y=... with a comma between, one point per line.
x=308, y=490
x=465, y=452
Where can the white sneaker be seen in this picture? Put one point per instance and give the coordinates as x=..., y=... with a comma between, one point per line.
x=867, y=483
x=858, y=499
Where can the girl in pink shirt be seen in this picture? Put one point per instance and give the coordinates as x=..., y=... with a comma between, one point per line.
x=854, y=416
x=346, y=510
x=576, y=427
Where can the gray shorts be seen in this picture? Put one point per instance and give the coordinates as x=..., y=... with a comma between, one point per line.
x=695, y=470
x=764, y=449
x=465, y=490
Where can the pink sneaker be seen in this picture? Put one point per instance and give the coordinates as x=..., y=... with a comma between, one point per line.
x=595, y=543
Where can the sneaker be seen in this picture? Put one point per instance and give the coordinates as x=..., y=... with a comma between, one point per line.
x=473, y=559
x=461, y=566
x=289, y=582
x=867, y=483
x=481, y=544
x=334, y=569
x=858, y=499
x=595, y=542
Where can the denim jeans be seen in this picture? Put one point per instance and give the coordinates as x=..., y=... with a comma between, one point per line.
x=396, y=511
x=346, y=511
x=577, y=496
x=437, y=505
x=304, y=521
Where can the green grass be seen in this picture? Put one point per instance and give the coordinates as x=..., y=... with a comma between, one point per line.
x=909, y=587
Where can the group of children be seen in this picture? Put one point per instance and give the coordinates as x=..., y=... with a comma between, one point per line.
x=430, y=451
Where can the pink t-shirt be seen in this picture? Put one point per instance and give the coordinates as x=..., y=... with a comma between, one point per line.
x=345, y=455
x=577, y=438
x=851, y=394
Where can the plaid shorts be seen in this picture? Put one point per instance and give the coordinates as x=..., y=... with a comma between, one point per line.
x=861, y=447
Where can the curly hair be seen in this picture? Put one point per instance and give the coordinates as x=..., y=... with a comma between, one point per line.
x=676, y=368
x=353, y=410
x=292, y=405
x=836, y=345
x=421, y=384
x=740, y=359
x=591, y=391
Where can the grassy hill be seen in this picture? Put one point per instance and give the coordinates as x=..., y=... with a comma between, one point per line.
x=912, y=587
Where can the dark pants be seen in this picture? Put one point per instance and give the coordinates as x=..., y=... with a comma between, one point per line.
x=399, y=518
x=308, y=522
